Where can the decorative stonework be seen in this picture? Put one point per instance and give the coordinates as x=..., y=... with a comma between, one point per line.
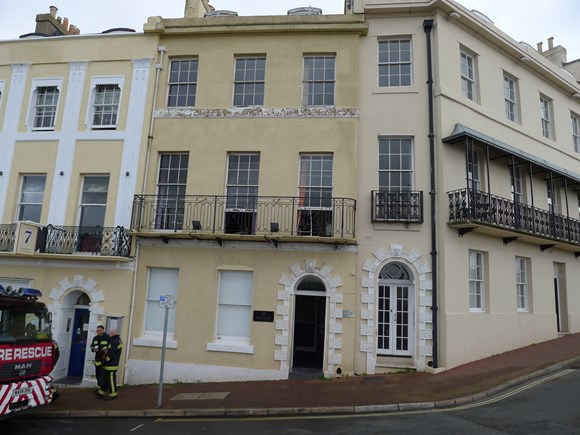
x=259, y=112
x=96, y=311
x=423, y=301
x=335, y=312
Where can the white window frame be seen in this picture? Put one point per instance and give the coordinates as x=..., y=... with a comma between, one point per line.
x=170, y=194
x=522, y=284
x=154, y=337
x=83, y=205
x=22, y=204
x=247, y=83
x=241, y=303
x=553, y=196
x=178, y=84
x=310, y=82
x=468, y=72
x=517, y=184
x=400, y=158
x=546, y=117
x=400, y=63
x=97, y=81
x=476, y=275
x=241, y=191
x=575, y=121
x=474, y=170
x=511, y=97
x=42, y=83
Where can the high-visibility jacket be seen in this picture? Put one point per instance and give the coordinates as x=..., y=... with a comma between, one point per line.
x=101, y=343
x=113, y=355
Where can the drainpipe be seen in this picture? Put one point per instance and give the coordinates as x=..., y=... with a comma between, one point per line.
x=133, y=293
x=158, y=69
x=428, y=27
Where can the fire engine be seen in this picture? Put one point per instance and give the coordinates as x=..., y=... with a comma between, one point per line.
x=27, y=352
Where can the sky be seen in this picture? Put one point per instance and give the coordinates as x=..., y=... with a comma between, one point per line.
x=531, y=21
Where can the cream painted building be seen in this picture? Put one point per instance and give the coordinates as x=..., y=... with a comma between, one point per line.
x=247, y=218
x=73, y=118
x=396, y=187
x=468, y=202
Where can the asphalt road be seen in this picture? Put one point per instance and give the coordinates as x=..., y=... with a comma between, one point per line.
x=546, y=406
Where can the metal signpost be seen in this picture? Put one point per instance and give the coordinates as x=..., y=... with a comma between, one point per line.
x=167, y=302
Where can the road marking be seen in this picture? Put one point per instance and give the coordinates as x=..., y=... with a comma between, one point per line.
x=513, y=392
x=135, y=428
x=377, y=414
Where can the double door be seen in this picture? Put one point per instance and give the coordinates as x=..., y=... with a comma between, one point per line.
x=395, y=321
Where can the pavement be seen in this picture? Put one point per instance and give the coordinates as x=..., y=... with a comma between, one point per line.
x=390, y=392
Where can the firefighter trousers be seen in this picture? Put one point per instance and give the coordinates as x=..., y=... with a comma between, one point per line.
x=99, y=374
x=110, y=382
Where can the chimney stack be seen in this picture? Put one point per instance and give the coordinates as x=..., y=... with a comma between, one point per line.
x=540, y=49
x=196, y=8
x=550, y=42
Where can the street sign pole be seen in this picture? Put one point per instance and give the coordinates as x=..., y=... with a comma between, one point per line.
x=167, y=301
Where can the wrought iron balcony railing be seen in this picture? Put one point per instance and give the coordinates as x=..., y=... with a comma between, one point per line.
x=405, y=207
x=468, y=205
x=53, y=239
x=7, y=237
x=251, y=215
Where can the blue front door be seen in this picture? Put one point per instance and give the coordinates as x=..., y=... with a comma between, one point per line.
x=78, y=346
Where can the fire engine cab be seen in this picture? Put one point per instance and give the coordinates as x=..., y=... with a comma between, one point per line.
x=27, y=352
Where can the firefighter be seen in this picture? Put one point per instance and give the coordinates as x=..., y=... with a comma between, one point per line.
x=111, y=364
x=99, y=346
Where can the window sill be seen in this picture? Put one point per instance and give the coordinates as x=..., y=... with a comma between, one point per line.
x=394, y=90
x=154, y=342
x=229, y=346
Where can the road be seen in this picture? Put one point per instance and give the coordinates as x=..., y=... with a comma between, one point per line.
x=546, y=406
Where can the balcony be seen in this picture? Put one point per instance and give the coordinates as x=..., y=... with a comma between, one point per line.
x=404, y=207
x=52, y=239
x=246, y=215
x=468, y=207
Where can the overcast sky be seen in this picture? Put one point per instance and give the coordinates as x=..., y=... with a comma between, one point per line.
x=531, y=21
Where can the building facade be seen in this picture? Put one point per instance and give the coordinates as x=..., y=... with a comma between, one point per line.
x=248, y=213
x=396, y=187
x=72, y=127
x=468, y=189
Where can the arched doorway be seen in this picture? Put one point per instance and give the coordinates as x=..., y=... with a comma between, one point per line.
x=72, y=337
x=309, y=326
x=395, y=311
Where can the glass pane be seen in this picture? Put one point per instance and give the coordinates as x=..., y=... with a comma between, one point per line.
x=234, y=321
x=236, y=287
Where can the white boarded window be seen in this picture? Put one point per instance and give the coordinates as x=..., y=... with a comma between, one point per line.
x=162, y=282
x=234, y=305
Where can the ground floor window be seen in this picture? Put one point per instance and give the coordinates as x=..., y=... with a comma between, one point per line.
x=234, y=305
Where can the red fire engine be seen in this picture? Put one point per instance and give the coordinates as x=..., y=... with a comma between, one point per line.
x=27, y=352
